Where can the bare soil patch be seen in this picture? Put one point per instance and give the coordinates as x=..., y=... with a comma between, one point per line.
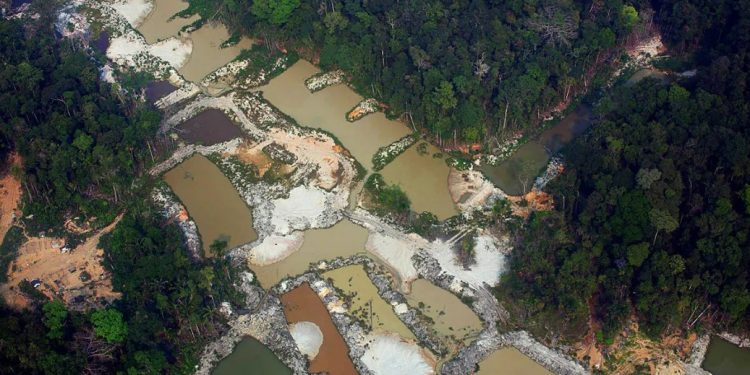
x=10, y=196
x=76, y=276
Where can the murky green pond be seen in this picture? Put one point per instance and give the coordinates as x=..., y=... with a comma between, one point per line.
x=725, y=358
x=250, y=357
x=451, y=317
x=516, y=175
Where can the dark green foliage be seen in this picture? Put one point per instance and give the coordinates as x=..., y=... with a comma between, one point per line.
x=80, y=142
x=13, y=240
x=387, y=198
x=54, y=318
x=455, y=67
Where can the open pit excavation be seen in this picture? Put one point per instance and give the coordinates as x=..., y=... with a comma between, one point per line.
x=267, y=168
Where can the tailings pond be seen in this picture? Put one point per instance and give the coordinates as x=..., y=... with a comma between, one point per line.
x=208, y=55
x=302, y=304
x=451, y=317
x=422, y=177
x=251, y=357
x=208, y=128
x=725, y=358
x=158, y=89
x=516, y=175
x=510, y=361
x=342, y=240
x=357, y=286
x=212, y=202
x=158, y=26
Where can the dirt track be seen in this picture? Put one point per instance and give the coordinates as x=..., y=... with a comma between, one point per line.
x=60, y=273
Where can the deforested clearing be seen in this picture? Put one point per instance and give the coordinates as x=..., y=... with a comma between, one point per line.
x=134, y=11
x=128, y=49
x=302, y=209
x=490, y=262
x=396, y=253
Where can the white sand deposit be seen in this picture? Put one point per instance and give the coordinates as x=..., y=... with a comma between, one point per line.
x=490, y=262
x=308, y=337
x=389, y=355
x=396, y=253
x=134, y=11
x=275, y=248
x=130, y=49
x=301, y=210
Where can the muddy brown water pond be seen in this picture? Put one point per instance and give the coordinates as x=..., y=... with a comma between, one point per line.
x=303, y=304
x=725, y=358
x=208, y=55
x=424, y=178
x=156, y=90
x=344, y=239
x=251, y=357
x=353, y=280
x=451, y=316
x=158, y=26
x=326, y=109
x=209, y=127
x=212, y=202
x=516, y=175
x=510, y=361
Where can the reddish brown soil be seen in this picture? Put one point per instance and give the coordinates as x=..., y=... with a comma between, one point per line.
x=302, y=304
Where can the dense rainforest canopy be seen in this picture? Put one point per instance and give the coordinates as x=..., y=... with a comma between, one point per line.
x=83, y=143
x=653, y=213
x=473, y=69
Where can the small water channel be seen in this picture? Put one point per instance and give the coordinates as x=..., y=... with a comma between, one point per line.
x=516, y=175
x=510, y=361
x=158, y=26
x=251, y=357
x=365, y=303
x=209, y=127
x=725, y=358
x=212, y=202
x=302, y=304
x=342, y=240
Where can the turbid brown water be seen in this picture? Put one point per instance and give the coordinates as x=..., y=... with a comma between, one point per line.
x=510, y=361
x=424, y=179
x=342, y=240
x=158, y=26
x=158, y=89
x=516, y=175
x=251, y=357
x=208, y=128
x=725, y=358
x=303, y=304
x=451, y=316
x=353, y=280
x=326, y=109
x=207, y=54
x=212, y=202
